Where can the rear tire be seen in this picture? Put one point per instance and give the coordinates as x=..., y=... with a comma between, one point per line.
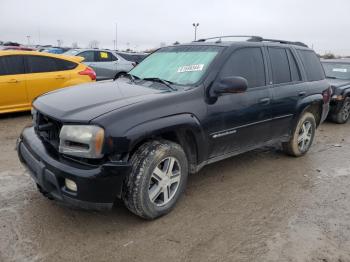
x=344, y=113
x=302, y=137
x=157, y=180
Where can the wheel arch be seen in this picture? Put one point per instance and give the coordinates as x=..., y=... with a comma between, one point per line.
x=312, y=104
x=184, y=129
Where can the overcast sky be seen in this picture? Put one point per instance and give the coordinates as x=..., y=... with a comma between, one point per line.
x=144, y=24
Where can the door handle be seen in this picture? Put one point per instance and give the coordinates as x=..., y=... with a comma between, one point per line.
x=13, y=81
x=265, y=101
x=301, y=94
x=60, y=77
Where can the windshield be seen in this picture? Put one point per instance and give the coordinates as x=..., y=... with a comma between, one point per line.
x=337, y=70
x=182, y=65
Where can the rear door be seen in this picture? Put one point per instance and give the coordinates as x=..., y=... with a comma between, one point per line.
x=13, y=93
x=44, y=74
x=107, y=65
x=288, y=89
x=238, y=122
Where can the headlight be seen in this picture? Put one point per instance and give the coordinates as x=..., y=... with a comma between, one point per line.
x=82, y=141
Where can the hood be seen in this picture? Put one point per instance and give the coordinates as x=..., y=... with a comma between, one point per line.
x=338, y=82
x=85, y=102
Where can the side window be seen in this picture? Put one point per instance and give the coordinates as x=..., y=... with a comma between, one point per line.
x=294, y=69
x=63, y=65
x=41, y=64
x=280, y=65
x=247, y=63
x=88, y=55
x=103, y=56
x=11, y=65
x=312, y=65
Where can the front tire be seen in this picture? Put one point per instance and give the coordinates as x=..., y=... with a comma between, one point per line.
x=344, y=113
x=157, y=180
x=302, y=137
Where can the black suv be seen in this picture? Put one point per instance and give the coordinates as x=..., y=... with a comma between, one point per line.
x=338, y=75
x=183, y=107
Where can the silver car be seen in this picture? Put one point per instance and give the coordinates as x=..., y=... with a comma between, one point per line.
x=106, y=63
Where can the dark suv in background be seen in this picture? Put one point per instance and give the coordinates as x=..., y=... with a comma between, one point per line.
x=338, y=75
x=183, y=107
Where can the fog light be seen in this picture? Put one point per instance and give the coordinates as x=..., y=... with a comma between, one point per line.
x=338, y=98
x=71, y=185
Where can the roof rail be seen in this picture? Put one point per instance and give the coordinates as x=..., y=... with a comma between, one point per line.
x=227, y=36
x=253, y=39
x=283, y=42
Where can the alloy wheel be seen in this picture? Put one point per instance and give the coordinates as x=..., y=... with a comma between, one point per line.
x=165, y=181
x=305, y=136
x=346, y=110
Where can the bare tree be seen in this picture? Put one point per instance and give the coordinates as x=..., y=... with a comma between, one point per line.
x=328, y=55
x=75, y=45
x=94, y=44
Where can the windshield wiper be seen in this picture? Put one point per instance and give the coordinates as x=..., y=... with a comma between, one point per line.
x=132, y=77
x=159, y=80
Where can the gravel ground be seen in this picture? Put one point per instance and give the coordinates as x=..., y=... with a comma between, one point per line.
x=260, y=206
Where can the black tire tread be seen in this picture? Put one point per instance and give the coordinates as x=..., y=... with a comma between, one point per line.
x=132, y=188
x=337, y=118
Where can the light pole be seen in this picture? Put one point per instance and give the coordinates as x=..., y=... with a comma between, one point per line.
x=195, y=25
x=116, y=36
x=28, y=38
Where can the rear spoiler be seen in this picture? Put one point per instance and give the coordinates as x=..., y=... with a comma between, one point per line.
x=77, y=59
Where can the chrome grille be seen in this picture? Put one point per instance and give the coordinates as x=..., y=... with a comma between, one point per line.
x=47, y=129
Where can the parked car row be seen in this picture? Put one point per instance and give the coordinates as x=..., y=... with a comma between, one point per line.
x=338, y=74
x=25, y=75
x=106, y=63
x=182, y=108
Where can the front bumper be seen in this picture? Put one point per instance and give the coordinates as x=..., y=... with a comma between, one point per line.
x=97, y=186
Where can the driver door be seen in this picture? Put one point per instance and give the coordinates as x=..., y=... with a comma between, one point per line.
x=237, y=122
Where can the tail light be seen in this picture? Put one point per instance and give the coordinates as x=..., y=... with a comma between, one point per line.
x=88, y=72
x=327, y=94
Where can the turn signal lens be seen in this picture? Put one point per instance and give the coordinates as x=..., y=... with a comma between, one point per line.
x=99, y=138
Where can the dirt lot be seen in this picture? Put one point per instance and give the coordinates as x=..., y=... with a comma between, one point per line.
x=261, y=206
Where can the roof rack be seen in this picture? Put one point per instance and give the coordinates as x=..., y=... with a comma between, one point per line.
x=252, y=39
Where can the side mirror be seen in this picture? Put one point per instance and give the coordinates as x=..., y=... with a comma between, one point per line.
x=232, y=84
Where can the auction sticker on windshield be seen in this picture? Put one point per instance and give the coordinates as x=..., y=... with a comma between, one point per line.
x=340, y=70
x=190, y=68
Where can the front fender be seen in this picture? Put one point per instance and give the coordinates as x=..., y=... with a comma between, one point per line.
x=346, y=92
x=173, y=123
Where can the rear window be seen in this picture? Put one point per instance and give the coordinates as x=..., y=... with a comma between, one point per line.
x=42, y=64
x=63, y=65
x=312, y=65
x=11, y=65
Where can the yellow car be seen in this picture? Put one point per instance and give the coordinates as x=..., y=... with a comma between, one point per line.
x=24, y=75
